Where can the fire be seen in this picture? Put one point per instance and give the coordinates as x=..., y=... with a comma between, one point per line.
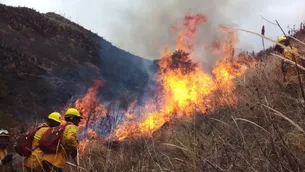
x=92, y=111
x=185, y=41
x=92, y=135
x=184, y=88
x=88, y=105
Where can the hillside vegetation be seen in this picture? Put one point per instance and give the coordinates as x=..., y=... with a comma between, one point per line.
x=264, y=132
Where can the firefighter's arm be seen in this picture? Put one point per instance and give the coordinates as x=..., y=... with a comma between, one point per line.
x=72, y=136
x=71, y=139
x=287, y=54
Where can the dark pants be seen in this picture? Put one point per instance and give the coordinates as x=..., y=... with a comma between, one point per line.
x=48, y=167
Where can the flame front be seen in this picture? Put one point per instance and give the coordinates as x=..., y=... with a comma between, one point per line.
x=91, y=112
x=88, y=105
x=184, y=88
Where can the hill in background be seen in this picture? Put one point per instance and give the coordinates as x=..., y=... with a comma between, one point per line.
x=47, y=59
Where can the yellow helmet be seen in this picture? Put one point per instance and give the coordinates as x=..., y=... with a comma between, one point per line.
x=3, y=132
x=281, y=39
x=55, y=116
x=73, y=112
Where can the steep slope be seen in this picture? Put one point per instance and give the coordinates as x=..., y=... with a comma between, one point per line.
x=47, y=60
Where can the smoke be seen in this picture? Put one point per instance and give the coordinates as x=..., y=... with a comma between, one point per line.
x=146, y=26
x=149, y=26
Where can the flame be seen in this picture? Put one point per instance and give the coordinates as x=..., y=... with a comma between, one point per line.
x=92, y=135
x=184, y=88
x=92, y=111
x=185, y=41
x=88, y=105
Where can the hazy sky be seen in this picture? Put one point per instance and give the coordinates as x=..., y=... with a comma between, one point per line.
x=143, y=27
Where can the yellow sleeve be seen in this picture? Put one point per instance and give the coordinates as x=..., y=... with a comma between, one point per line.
x=70, y=135
x=287, y=54
x=296, y=51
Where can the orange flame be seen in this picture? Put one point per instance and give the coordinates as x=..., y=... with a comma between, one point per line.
x=185, y=41
x=88, y=104
x=91, y=111
x=84, y=143
x=187, y=89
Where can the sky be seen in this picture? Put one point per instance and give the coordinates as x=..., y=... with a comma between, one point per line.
x=143, y=27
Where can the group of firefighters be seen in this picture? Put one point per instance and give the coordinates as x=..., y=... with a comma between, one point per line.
x=39, y=160
x=42, y=161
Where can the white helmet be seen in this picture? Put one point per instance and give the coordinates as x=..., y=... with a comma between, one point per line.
x=3, y=132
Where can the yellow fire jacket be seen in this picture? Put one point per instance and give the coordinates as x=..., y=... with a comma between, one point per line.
x=34, y=160
x=291, y=73
x=68, y=144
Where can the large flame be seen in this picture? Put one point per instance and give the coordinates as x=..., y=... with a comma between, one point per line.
x=184, y=86
x=92, y=112
x=89, y=106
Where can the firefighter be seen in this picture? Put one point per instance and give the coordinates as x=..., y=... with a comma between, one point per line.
x=69, y=143
x=33, y=162
x=5, y=157
x=291, y=53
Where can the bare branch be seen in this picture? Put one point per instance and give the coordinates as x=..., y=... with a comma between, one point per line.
x=268, y=21
x=289, y=61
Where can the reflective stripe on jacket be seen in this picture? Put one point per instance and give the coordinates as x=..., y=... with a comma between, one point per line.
x=34, y=160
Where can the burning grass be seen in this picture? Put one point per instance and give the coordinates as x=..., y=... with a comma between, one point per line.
x=242, y=131
x=184, y=87
x=244, y=137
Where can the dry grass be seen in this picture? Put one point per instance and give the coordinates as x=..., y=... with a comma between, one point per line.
x=264, y=132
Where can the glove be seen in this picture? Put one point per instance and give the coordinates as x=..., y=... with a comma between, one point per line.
x=7, y=159
x=285, y=66
x=73, y=154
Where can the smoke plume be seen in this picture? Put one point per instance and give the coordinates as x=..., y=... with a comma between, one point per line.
x=147, y=25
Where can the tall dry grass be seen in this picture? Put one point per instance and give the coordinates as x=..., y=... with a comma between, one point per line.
x=264, y=132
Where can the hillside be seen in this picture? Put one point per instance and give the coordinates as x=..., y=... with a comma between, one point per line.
x=47, y=60
x=263, y=132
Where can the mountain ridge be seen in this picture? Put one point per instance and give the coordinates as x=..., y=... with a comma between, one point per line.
x=47, y=60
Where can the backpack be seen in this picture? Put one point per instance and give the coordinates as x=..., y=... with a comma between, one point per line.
x=24, y=143
x=50, y=140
